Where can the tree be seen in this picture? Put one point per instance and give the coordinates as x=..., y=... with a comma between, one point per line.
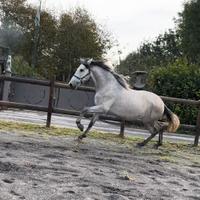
x=78, y=36
x=46, y=61
x=62, y=41
x=163, y=50
x=19, y=15
x=11, y=33
x=189, y=30
x=20, y=66
x=10, y=37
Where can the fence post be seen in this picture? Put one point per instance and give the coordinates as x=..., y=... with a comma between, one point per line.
x=196, y=140
x=122, y=127
x=50, y=105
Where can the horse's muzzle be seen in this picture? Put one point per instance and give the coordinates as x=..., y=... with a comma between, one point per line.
x=71, y=86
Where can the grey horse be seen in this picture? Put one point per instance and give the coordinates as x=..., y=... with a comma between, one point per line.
x=114, y=96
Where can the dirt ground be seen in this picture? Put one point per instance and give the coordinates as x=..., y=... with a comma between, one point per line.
x=38, y=167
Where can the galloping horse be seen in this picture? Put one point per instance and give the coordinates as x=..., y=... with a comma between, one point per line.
x=114, y=96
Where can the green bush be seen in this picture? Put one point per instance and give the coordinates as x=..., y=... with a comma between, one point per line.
x=181, y=80
x=21, y=68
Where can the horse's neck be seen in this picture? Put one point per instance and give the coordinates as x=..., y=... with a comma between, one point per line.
x=103, y=79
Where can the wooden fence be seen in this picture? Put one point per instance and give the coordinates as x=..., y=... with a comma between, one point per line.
x=50, y=109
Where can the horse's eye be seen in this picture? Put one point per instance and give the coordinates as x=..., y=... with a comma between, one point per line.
x=81, y=70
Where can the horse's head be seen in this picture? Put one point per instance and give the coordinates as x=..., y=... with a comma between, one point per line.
x=82, y=73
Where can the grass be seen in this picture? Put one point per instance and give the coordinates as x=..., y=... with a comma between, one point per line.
x=29, y=128
x=169, y=152
x=34, y=128
x=167, y=159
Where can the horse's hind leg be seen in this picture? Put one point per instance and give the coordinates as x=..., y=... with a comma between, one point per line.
x=153, y=129
x=147, y=140
x=160, y=137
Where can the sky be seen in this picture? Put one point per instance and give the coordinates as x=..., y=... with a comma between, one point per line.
x=131, y=22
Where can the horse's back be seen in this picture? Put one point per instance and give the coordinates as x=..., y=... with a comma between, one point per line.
x=148, y=97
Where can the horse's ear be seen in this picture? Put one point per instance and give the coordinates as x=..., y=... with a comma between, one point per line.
x=82, y=60
x=89, y=61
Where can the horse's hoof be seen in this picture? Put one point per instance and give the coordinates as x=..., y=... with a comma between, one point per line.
x=80, y=137
x=80, y=126
x=78, y=140
x=156, y=146
x=140, y=144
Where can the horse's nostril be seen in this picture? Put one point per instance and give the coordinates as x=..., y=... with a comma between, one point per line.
x=71, y=86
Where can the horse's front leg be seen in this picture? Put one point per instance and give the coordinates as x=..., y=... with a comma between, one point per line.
x=92, y=122
x=100, y=109
x=78, y=121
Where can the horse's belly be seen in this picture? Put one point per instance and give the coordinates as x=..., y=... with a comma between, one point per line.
x=129, y=111
x=134, y=106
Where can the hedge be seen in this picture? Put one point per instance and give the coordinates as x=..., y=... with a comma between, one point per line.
x=181, y=80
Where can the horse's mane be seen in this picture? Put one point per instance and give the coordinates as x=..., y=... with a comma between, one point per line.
x=120, y=78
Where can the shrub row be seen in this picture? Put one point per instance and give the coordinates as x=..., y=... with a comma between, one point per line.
x=181, y=80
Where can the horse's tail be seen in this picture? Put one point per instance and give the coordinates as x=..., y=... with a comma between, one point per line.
x=174, y=121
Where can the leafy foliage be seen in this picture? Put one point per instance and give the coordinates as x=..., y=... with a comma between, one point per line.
x=164, y=49
x=61, y=42
x=78, y=36
x=181, y=80
x=189, y=30
x=184, y=41
x=21, y=67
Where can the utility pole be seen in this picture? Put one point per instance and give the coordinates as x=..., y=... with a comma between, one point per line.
x=36, y=35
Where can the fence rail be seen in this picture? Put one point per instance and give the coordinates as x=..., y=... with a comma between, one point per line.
x=182, y=101
x=50, y=109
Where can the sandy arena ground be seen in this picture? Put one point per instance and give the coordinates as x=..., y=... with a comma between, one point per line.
x=37, y=167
